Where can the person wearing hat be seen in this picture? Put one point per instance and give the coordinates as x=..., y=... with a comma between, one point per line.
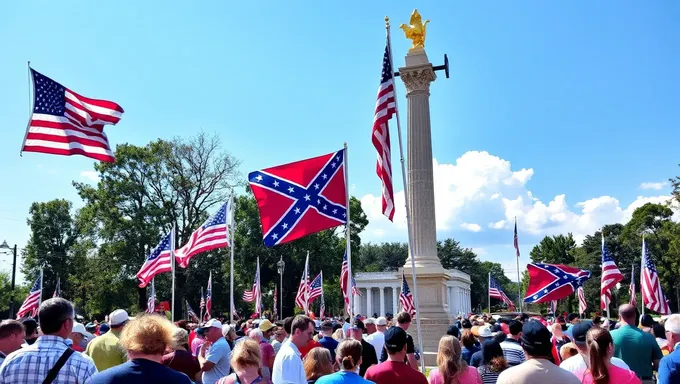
x=578, y=363
x=106, y=350
x=538, y=368
x=368, y=354
x=80, y=336
x=327, y=341
x=485, y=334
x=377, y=339
x=214, y=354
x=394, y=369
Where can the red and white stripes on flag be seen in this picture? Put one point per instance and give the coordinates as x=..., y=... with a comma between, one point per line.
x=582, y=305
x=256, y=293
x=159, y=260
x=301, y=299
x=610, y=276
x=344, y=277
x=631, y=288
x=212, y=234
x=151, y=302
x=66, y=123
x=32, y=303
x=385, y=107
x=652, y=294
x=406, y=298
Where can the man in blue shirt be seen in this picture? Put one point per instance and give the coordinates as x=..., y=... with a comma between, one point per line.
x=669, y=366
x=214, y=354
x=327, y=341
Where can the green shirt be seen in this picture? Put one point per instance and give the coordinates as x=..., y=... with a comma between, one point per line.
x=106, y=351
x=637, y=349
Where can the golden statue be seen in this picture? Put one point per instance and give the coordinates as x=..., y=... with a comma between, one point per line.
x=415, y=31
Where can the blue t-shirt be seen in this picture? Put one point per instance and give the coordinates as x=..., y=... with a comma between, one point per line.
x=140, y=371
x=219, y=354
x=343, y=377
x=330, y=344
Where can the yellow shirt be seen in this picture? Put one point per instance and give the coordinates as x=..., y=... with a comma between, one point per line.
x=106, y=351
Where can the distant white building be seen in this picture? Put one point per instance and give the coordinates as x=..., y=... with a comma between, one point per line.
x=380, y=292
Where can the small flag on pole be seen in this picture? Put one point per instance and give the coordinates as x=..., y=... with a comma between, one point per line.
x=406, y=298
x=316, y=288
x=32, y=303
x=582, y=305
x=151, y=303
x=57, y=288
x=652, y=293
x=208, y=299
x=631, y=288
x=610, y=276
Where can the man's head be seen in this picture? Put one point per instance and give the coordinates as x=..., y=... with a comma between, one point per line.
x=288, y=324
x=484, y=332
x=357, y=331
x=579, y=334
x=11, y=336
x=627, y=314
x=395, y=343
x=536, y=340
x=672, y=327
x=327, y=328
x=267, y=328
x=381, y=324
x=302, y=329
x=370, y=325
x=515, y=328
x=118, y=319
x=404, y=320
x=212, y=330
x=255, y=334
x=56, y=317
x=79, y=333
x=574, y=318
x=31, y=327
x=453, y=331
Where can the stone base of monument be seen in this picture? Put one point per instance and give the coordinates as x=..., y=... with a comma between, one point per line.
x=434, y=312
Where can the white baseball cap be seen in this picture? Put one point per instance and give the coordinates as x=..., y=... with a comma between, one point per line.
x=212, y=323
x=80, y=328
x=485, y=331
x=117, y=317
x=369, y=320
x=381, y=321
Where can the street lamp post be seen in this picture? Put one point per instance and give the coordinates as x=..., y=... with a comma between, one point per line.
x=14, y=273
x=280, y=266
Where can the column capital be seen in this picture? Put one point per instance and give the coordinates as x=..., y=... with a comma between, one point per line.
x=417, y=78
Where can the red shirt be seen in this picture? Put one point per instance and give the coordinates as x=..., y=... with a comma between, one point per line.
x=312, y=344
x=391, y=372
x=192, y=335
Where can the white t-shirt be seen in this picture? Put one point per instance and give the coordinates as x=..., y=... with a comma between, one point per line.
x=377, y=340
x=577, y=364
x=288, y=367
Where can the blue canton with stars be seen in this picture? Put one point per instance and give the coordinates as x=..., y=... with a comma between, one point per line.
x=162, y=248
x=316, y=283
x=405, y=290
x=220, y=217
x=49, y=96
x=306, y=197
x=562, y=278
x=37, y=286
x=649, y=264
x=606, y=255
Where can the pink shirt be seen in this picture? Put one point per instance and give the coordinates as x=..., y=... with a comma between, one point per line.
x=470, y=376
x=616, y=375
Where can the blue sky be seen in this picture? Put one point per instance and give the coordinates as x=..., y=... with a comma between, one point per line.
x=554, y=113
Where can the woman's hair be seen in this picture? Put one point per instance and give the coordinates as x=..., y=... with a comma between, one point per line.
x=180, y=338
x=348, y=354
x=659, y=331
x=492, y=356
x=449, y=359
x=568, y=350
x=318, y=363
x=339, y=334
x=148, y=334
x=246, y=354
x=468, y=339
x=647, y=320
x=598, y=341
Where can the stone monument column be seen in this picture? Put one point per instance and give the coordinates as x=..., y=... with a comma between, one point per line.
x=434, y=315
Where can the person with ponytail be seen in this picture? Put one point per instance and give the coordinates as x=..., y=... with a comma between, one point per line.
x=348, y=356
x=451, y=368
x=493, y=362
x=600, y=370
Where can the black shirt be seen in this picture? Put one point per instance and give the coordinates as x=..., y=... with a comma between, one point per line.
x=410, y=348
x=368, y=357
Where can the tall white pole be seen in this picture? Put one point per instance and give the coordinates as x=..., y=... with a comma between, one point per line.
x=642, y=266
x=30, y=107
x=232, y=212
x=519, y=281
x=489, y=291
x=172, y=255
x=348, y=244
x=406, y=204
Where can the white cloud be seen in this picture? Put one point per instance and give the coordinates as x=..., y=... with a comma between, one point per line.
x=471, y=227
x=91, y=175
x=653, y=185
x=481, y=187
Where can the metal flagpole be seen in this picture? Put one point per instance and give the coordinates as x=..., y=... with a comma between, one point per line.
x=306, y=308
x=348, y=243
x=200, y=320
x=642, y=266
x=519, y=281
x=232, y=213
x=172, y=255
x=406, y=204
x=489, y=292
x=30, y=108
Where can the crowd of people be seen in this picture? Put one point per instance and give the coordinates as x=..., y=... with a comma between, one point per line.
x=149, y=348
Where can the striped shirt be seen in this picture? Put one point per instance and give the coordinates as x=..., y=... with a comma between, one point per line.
x=488, y=376
x=513, y=352
x=30, y=365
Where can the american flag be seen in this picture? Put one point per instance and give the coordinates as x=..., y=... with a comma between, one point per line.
x=151, y=302
x=343, y=284
x=66, y=123
x=610, y=276
x=213, y=234
x=650, y=285
x=190, y=311
x=208, y=299
x=201, y=304
x=516, y=241
x=385, y=107
x=322, y=307
x=315, y=288
x=406, y=298
x=57, y=289
x=158, y=261
x=301, y=198
x=256, y=293
x=276, y=300
x=582, y=305
x=496, y=292
x=553, y=281
x=32, y=302
x=631, y=288
x=303, y=289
